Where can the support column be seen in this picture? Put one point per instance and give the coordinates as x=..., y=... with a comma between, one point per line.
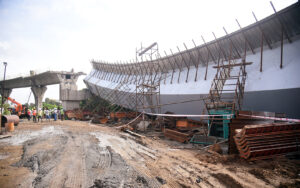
x=38, y=93
x=5, y=93
x=68, y=93
x=67, y=83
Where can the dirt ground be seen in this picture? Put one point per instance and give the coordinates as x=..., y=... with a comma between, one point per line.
x=80, y=154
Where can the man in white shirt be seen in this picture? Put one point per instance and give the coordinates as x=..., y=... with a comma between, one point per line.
x=47, y=114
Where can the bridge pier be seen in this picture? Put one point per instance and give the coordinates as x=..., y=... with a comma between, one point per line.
x=38, y=93
x=6, y=93
x=68, y=93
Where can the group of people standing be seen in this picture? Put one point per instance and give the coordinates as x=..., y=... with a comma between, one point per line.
x=37, y=115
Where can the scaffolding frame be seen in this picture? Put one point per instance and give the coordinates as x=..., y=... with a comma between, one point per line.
x=150, y=69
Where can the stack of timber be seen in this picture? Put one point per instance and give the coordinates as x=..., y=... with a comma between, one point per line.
x=185, y=129
x=243, y=118
x=176, y=135
x=256, y=142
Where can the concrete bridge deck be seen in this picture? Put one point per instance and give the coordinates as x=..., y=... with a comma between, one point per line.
x=42, y=79
x=38, y=82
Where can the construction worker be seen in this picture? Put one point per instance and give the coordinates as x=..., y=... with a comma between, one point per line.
x=58, y=113
x=40, y=115
x=47, y=114
x=55, y=114
x=34, y=115
x=29, y=114
x=62, y=114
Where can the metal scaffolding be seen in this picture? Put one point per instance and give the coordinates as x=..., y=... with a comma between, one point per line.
x=136, y=84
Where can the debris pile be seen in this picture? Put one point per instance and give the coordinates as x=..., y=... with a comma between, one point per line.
x=185, y=129
x=176, y=135
x=78, y=114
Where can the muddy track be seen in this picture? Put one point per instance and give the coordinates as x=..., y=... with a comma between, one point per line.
x=83, y=155
x=105, y=158
x=62, y=164
x=116, y=171
x=70, y=171
x=75, y=159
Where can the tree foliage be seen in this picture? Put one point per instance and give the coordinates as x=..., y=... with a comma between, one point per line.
x=5, y=109
x=51, y=104
x=95, y=104
x=101, y=106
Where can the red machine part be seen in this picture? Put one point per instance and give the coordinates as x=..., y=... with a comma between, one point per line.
x=267, y=140
x=18, y=106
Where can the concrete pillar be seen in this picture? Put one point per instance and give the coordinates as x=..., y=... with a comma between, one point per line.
x=38, y=93
x=6, y=93
x=68, y=81
x=68, y=93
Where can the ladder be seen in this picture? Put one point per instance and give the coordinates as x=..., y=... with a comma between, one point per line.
x=226, y=94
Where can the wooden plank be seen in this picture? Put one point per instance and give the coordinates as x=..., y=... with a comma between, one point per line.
x=4, y=136
x=134, y=134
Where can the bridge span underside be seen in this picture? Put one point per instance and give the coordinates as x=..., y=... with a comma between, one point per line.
x=271, y=45
x=280, y=101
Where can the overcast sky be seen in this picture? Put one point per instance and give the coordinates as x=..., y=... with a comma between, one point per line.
x=64, y=34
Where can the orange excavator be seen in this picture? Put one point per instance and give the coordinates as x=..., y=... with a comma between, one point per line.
x=18, y=106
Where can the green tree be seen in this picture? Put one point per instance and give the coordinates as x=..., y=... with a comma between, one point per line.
x=5, y=109
x=51, y=104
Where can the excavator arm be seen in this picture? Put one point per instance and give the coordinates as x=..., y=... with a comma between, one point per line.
x=18, y=106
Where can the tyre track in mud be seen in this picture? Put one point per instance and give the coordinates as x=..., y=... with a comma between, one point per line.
x=70, y=171
x=74, y=159
x=120, y=173
x=62, y=160
x=105, y=158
